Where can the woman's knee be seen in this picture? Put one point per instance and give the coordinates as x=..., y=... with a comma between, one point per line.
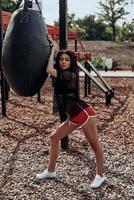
x=53, y=138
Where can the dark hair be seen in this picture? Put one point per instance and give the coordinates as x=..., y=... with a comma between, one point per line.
x=73, y=66
x=71, y=54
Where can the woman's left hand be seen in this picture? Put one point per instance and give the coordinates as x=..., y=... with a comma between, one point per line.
x=55, y=46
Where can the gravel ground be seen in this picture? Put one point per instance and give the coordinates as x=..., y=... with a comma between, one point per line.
x=24, y=138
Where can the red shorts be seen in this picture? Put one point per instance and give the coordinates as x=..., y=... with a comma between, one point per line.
x=83, y=116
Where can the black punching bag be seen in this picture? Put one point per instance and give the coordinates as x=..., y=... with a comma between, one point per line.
x=25, y=51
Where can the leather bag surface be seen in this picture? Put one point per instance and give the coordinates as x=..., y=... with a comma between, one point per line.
x=25, y=51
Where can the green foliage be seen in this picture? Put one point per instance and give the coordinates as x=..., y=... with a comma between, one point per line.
x=111, y=12
x=88, y=24
x=8, y=5
x=72, y=25
x=89, y=28
x=71, y=20
x=97, y=61
x=56, y=23
x=104, y=28
x=127, y=31
x=94, y=28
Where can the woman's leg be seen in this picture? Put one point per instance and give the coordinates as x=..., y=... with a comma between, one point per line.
x=90, y=131
x=62, y=131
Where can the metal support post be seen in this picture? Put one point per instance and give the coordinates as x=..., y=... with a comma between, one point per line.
x=112, y=92
x=75, y=45
x=63, y=45
x=85, y=86
x=63, y=23
x=39, y=96
x=89, y=80
x=108, y=98
x=7, y=89
x=3, y=93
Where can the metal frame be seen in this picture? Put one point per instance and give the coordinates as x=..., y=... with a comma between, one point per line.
x=63, y=45
x=109, y=92
x=3, y=81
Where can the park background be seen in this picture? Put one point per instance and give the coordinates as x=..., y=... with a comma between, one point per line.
x=24, y=139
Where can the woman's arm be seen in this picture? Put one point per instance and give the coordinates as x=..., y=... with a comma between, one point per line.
x=50, y=66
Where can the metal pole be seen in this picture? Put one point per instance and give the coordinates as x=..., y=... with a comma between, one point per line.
x=63, y=23
x=89, y=80
x=39, y=96
x=75, y=45
x=85, y=83
x=3, y=90
x=63, y=45
x=108, y=98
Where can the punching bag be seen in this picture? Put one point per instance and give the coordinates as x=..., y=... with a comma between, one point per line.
x=25, y=51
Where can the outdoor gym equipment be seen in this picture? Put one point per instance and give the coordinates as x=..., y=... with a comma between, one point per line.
x=25, y=51
x=109, y=92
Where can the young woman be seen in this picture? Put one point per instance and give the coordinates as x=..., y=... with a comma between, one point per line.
x=79, y=114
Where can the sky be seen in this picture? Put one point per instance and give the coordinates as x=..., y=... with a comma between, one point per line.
x=81, y=8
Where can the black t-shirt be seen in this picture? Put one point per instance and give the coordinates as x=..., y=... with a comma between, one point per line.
x=65, y=83
x=65, y=87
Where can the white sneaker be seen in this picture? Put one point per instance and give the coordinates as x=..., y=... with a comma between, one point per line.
x=98, y=181
x=46, y=174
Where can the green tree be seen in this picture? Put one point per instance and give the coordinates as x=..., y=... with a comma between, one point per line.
x=94, y=29
x=70, y=20
x=127, y=31
x=111, y=12
x=89, y=28
x=87, y=23
x=8, y=5
x=56, y=23
x=72, y=25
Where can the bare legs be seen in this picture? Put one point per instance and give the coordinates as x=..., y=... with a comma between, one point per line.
x=62, y=131
x=90, y=132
